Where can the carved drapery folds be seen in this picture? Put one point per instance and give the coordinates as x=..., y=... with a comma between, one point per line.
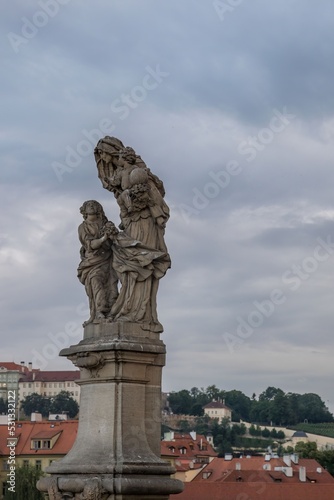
x=121, y=269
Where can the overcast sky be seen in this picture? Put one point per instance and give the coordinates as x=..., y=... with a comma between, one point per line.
x=231, y=104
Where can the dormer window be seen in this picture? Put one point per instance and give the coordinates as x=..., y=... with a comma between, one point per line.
x=41, y=444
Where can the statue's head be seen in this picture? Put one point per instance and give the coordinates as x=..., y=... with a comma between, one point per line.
x=108, y=147
x=90, y=207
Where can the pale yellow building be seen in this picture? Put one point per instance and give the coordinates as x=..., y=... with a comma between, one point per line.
x=218, y=410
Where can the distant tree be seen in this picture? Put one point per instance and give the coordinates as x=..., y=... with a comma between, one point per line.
x=3, y=406
x=184, y=426
x=260, y=411
x=212, y=392
x=25, y=484
x=270, y=393
x=326, y=459
x=180, y=402
x=312, y=408
x=280, y=435
x=36, y=403
x=64, y=403
x=240, y=429
x=240, y=404
x=265, y=433
x=273, y=433
x=307, y=450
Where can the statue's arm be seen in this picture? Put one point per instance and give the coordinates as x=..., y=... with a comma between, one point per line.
x=88, y=241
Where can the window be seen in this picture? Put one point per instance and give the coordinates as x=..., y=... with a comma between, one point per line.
x=24, y=385
x=183, y=450
x=25, y=463
x=41, y=444
x=29, y=385
x=55, y=385
x=36, y=444
x=38, y=464
x=4, y=486
x=5, y=465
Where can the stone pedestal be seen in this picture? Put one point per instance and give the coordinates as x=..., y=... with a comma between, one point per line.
x=116, y=454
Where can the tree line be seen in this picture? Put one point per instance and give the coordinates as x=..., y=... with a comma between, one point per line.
x=272, y=407
x=62, y=402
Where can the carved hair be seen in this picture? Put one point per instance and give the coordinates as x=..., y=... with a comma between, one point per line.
x=99, y=210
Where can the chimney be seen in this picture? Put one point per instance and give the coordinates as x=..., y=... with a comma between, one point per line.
x=302, y=474
x=319, y=470
x=288, y=471
x=22, y=366
x=30, y=366
x=295, y=458
x=238, y=466
x=193, y=435
x=287, y=460
x=36, y=417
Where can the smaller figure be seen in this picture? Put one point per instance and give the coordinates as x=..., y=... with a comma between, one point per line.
x=95, y=270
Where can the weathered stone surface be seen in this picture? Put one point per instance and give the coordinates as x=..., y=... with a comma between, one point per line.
x=137, y=256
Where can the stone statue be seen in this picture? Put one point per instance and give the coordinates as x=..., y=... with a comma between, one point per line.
x=143, y=212
x=138, y=254
x=95, y=270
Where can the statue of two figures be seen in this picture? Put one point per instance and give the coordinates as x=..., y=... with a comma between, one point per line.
x=121, y=269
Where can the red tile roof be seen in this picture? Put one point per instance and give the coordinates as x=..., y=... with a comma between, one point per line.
x=217, y=404
x=46, y=434
x=191, y=448
x=252, y=469
x=26, y=431
x=51, y=376
x=13, y=366
x=248, y=491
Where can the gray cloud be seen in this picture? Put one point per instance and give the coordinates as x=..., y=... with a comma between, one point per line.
x=232, y=236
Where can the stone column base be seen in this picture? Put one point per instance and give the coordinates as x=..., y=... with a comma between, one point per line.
x=116, y=454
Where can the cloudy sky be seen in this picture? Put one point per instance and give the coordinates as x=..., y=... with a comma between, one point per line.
x=231, y=104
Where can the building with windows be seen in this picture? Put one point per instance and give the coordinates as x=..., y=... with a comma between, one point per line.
x=218, y=410
x=36, y=444
x=25, y=380
x=50, y=383
x=187, y=452
x=10, y=374
x=260, y=478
